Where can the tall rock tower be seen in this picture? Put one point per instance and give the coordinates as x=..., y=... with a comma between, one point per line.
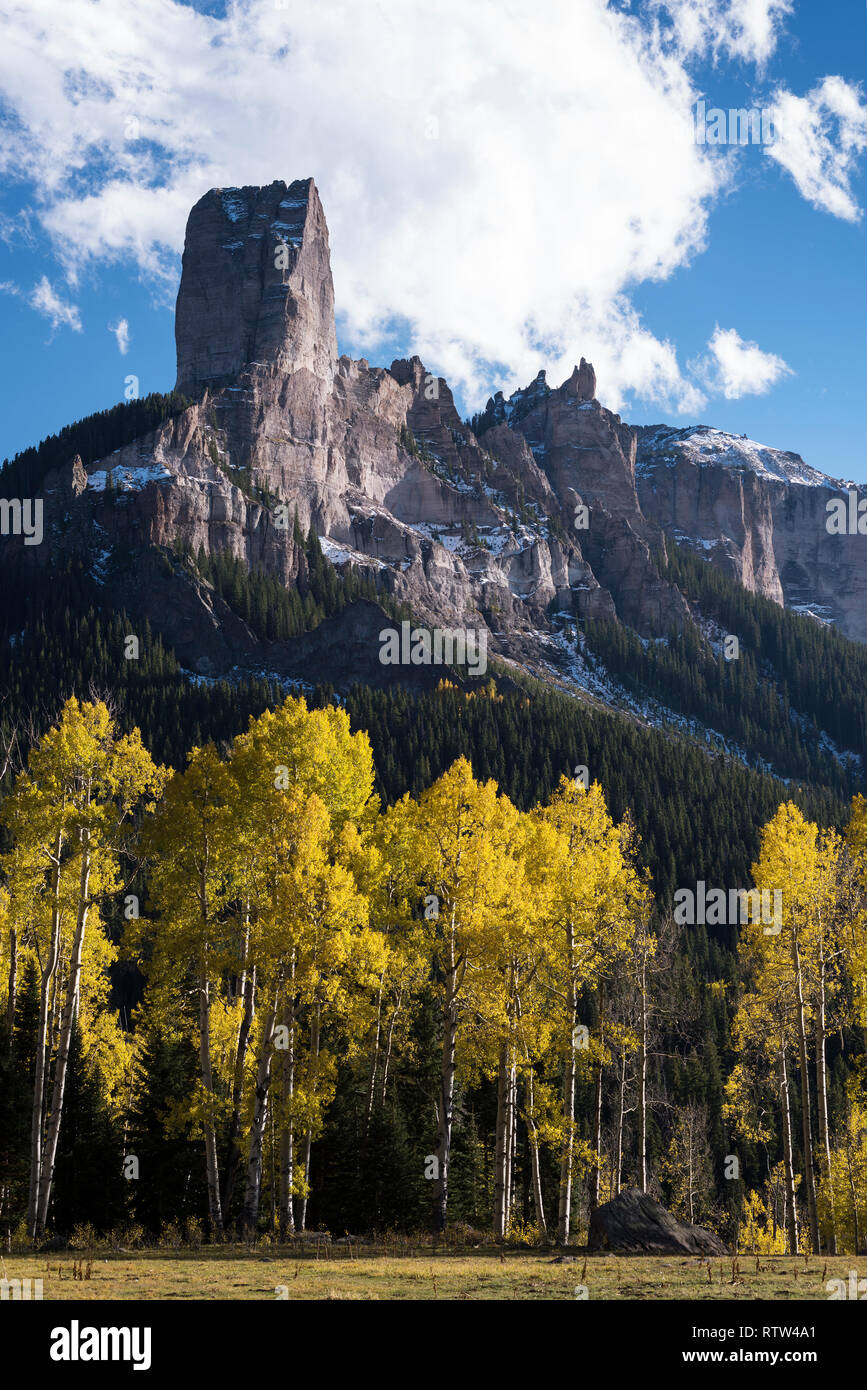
x=256, y=285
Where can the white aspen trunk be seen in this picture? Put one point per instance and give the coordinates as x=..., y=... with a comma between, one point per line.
x=46, y=1168
x=642, y=1084
x=211, y=1167
x=822, y=1102
x=40, y=1073
x=273, y=1185
x=308, y=1138
x=511, y=1136
x=500, y=1144
x=42, y=1044
x=386, y=1061
x=621, y=1113
x=287, y=1156
x=538, y=1202
x=53, y=1022
x=234, y=1151
x=253, y=1188
x=287, y=1136
x=788, y=1163
x=447, y=1091
x=374, y=1057
x=596, y=1185
x=212, y=1176
x=505, y=1127
x=691, y=1173
x=288, y=1146
x=13, y=983
x=564, y=1212
x=806, y=1127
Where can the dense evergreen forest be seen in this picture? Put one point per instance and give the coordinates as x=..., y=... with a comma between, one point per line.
x=94, y=437
x=274, y=612
x=793, y=684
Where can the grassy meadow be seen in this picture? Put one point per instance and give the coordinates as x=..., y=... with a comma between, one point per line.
x=237, y=1273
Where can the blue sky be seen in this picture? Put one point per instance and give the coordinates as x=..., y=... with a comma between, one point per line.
x=505, y=189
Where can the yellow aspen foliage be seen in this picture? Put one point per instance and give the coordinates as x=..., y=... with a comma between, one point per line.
x=70, y=818
x=593, y=898
x=855, y=934
x=465, y=862
x=758, y=1234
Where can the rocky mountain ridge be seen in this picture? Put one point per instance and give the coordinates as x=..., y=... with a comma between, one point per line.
x=549, y=505
x=760, y=514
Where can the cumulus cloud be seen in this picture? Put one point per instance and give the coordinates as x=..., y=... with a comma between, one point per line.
x=45, y=300
x=818, y=141
x=734, y=368
x=121, y=333
x=494, y=187
x=745, y=29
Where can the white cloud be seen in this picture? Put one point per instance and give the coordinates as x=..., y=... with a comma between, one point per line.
x=564, y=171
x=45, y=300
x=818, y=140
x=121, y=333
x=735, y=368
x=745, y=29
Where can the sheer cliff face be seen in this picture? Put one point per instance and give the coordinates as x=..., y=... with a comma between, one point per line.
x=468, y=527
x=256, y=286
x=760, y=514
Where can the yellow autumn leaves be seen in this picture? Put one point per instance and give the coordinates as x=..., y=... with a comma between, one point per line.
x=71, y=819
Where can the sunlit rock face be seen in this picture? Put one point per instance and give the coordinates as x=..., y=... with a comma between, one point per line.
x=761, y=514
x=256, y=285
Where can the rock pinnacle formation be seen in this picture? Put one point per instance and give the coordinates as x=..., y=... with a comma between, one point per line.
x=256, y=286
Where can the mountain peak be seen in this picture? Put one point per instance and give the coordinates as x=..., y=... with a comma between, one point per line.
x=582, y=382
x=256, y=285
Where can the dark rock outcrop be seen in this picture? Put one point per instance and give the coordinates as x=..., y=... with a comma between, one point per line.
x=634, y=1224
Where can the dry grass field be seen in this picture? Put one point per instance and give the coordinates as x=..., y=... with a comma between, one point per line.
x=236, y=1273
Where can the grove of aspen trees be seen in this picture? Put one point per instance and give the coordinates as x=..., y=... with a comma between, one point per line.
x=374, y=1014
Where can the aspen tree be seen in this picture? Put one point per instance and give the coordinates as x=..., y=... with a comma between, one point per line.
x=70, y=813
x=595, y=894
x=464, y=862
x=687, y=1166
x=192, y=847
x=504, y=991
x=763, y=1034
x=382, y=855
x=855, y=929
x=9, y=930
x=303, y=776
x=807, y=867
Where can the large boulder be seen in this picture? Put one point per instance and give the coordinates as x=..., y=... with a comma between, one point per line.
x=635, y=1224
